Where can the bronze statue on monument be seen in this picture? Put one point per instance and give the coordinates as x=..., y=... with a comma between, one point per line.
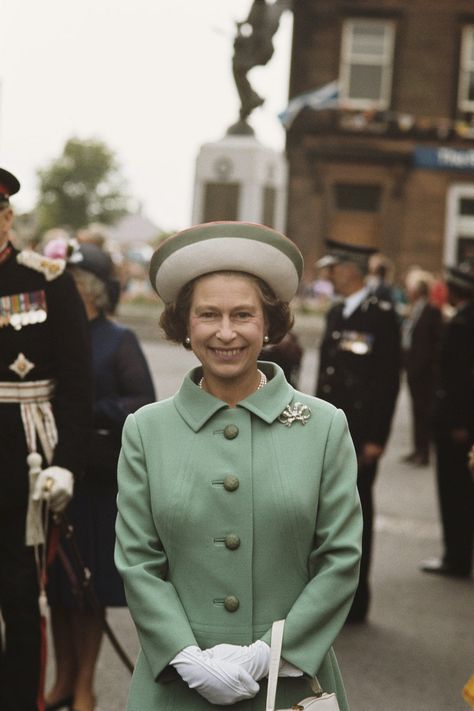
x=253, y=46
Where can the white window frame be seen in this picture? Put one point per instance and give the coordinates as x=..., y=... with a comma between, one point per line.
x=466, y=68
x=385, y=61
x=457, y=224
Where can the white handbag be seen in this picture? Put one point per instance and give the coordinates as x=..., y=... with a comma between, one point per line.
x=319, y=702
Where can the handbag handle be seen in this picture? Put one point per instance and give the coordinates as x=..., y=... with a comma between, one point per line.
x=275, y=657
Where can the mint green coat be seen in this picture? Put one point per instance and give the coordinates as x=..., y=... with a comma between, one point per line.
x=220, y=535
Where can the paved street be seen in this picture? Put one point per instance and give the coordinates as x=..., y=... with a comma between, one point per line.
x=417, y=650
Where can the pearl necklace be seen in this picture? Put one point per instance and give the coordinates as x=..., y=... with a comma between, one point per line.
x=263, y=380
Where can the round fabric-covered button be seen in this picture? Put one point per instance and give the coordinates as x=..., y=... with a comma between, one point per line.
x=231, y=603
x=231, y=431
x=232, y=541
x=231, y=482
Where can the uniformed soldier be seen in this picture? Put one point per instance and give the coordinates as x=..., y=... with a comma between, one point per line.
x=454, y=428
x=359, y=372
x=45, y=395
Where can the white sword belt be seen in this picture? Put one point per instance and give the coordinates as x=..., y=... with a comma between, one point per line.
x=35, y=391
x=34, y=398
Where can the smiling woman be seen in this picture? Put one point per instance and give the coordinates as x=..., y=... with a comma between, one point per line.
x=227, y=328
x=237, y=497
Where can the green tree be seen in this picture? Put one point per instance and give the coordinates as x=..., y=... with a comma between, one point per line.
x=83, y=185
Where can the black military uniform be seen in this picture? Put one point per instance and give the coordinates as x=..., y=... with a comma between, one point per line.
x=44, y=368
x=359, y=372
x=454, y=432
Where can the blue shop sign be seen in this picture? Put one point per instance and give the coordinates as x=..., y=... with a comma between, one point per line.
x=444, y=158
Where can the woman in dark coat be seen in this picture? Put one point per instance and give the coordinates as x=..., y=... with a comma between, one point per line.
x=122, y=384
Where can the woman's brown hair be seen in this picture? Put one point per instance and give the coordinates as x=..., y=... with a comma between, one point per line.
x=175, y=316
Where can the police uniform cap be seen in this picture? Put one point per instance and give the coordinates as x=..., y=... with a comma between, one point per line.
x=461, y=275
x=338, y=252
x=9, y=185
x=226, y=246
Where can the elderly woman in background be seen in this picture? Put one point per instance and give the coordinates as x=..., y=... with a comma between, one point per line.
x=237, y=497
x=122, y=384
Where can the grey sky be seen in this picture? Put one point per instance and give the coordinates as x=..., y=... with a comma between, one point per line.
x=152, y=78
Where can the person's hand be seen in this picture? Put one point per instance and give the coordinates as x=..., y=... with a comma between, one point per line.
x=55, y=485
x=219, y=682
x=255, y=659
x=370, y=453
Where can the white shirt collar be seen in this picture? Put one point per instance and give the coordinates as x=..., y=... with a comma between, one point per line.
x=352, y=302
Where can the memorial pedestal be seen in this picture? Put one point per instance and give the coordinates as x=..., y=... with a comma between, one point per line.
x=238, y=178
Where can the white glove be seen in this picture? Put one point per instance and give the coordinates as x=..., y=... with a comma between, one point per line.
x=255, y=659
x=220, y=682
x=54, y=484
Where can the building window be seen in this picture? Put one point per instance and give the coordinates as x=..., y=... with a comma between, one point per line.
x=466, y=77
x=459, y=234
x=367, y=62
x=357, y=198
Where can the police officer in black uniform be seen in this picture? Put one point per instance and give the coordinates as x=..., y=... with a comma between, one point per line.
x=359, y=372
x=45, y=411
x=454, y=428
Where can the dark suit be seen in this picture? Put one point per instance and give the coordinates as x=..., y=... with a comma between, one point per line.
x=419, y=360
x=57, y=347
x=454, y=410
x=359, y=372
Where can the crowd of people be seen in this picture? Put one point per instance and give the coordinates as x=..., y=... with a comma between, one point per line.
x=374, y=333
x=239, y=501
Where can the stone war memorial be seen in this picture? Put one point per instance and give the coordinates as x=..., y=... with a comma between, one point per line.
x=238, y=177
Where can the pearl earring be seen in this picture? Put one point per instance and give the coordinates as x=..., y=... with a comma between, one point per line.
x=187, y=341
x=266, y=339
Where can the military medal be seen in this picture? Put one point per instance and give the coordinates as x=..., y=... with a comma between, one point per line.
x=356, y=342
x=19, y=310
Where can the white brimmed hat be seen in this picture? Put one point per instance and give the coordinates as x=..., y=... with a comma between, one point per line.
x=222, y=246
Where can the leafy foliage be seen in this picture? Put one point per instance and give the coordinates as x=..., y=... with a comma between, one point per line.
x=83, y=185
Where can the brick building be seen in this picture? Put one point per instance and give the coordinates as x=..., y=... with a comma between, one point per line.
x=388, y=159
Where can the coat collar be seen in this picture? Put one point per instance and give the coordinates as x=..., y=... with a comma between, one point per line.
x=196, y=406
x=6, y=253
